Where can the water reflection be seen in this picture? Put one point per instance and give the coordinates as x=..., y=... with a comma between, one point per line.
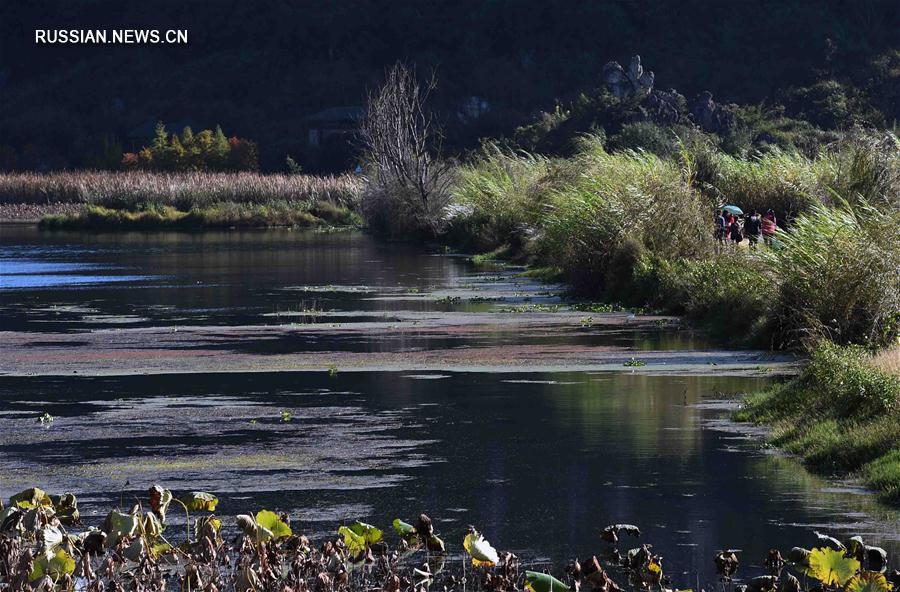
x=541, y=463
x=221, y=277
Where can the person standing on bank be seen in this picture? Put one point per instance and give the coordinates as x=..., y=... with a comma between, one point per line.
x=735, y=231
x=769, y=226
x=720, y=226
x=753, y=227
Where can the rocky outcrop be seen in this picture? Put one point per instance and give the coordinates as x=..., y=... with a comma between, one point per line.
x=709, y=115
x=664, y=107
x=633, y=83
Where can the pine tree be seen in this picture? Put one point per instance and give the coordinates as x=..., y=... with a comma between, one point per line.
x=178, y=156
x=160, y=140
x=221, y=149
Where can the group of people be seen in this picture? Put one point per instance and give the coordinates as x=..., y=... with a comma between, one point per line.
x=756, y=227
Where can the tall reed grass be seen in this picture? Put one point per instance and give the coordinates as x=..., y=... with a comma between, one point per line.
x=130, y=190
x=785, y=182
x=837, y=270
x=628, y=203
x=503, y=194
x=637, y=227
x=861, y=166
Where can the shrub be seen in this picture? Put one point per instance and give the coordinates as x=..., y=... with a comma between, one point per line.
x=646, y=135
x=826, y=103
x=837, y=275
x=847, y=386
x=501, y=196
x=396, y=210
x=762, y=128
x=618, y=196
x=732, y=294
x=783, y=181
x=242, y=155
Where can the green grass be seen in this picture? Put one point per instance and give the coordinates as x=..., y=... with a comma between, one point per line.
x=836, y=275
x=503, y=252
x=549, y=275
x=634, y=227
x=214, y=215
x=504, y=193
x=729, y=294
x=841, y=415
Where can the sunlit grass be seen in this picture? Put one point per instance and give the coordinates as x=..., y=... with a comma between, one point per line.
x=840, y=416
x=214, y=215
x=130, y=190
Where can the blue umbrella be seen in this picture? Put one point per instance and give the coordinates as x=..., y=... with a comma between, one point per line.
x=733, y=210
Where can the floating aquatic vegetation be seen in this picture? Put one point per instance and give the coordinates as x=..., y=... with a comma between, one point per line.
x=610, y=534
x=43, y=548
x=831, y=566
x=481, y=551
x=542, y=582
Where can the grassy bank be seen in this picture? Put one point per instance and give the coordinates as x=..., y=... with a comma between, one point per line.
x=841, y=415
x=214, y=215
x=637, y=228
x=186, y=200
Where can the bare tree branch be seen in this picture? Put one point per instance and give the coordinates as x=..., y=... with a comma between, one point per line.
x=402, y=144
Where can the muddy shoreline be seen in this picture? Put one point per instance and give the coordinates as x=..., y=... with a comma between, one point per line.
x=463, y=342
x=31, y=213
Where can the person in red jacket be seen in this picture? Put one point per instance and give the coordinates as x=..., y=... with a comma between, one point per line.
x=769, y=226
x=729, y=219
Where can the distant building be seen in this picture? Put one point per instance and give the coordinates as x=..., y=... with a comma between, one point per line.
x=336, y=121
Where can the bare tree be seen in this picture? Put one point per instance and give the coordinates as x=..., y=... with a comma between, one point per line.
x=402, y=147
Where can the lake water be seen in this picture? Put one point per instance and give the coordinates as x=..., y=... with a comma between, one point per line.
x=540, y=462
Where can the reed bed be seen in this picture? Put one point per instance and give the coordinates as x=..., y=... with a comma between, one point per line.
x=504, y=194
x=635, y=227
x=837, y=275
x=785, y=182
x=183, y=191
x=631, y=201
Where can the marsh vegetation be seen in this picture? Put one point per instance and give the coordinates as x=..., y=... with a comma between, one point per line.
x=187, y=199
x=44, y=545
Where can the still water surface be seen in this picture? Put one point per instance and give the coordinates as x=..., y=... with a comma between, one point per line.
x=540, y=462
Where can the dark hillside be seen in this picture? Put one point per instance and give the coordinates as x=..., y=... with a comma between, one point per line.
x=259, y=68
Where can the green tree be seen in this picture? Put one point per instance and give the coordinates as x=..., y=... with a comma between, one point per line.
x=187, y=137
x=178, y=156
x=220, y=150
